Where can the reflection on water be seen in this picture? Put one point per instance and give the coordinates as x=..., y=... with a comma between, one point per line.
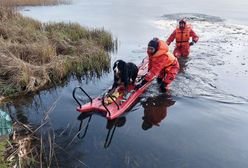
x=18, y=107
x=110, y=126
x=81, y=118
x=195, y=132
x=155, y=110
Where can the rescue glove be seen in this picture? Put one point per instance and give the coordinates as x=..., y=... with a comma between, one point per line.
x=140, y=84
x=191, y=43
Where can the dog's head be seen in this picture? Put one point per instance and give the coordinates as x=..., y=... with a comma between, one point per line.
x=119, y=67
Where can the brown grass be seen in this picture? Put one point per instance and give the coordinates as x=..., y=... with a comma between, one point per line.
x=33, y=2
x=35, y=55
x=22, y=149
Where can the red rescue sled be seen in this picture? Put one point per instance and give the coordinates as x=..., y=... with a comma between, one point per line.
x=118, y=105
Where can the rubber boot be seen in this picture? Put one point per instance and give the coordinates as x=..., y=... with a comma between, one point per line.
x=159, y=80
x=163, y=87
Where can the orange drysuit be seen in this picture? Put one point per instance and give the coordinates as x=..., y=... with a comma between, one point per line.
x=162, y=64
x=182, y=37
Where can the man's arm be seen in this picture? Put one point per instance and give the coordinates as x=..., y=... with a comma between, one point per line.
x=195, y=38
x=171, y=38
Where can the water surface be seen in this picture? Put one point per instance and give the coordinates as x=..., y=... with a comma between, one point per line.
x=206, y=124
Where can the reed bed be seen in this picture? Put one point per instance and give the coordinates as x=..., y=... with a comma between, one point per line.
x=35, y=56
x=33, y=2
x=35, y=145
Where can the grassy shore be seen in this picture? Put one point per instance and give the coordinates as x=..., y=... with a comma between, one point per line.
x=33, y=2
x=22, y=149
x=35, y=56
x=3, y=163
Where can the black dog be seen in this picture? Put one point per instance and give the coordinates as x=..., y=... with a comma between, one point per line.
x=124, y=73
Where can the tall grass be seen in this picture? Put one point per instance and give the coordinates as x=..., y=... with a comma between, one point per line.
x=33, y=2
x=35, y=55
x=3, y=163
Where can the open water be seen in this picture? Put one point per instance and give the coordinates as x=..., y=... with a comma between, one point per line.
x=204, y=124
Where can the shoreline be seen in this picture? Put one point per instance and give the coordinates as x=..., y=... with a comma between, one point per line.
x=19, y=3
x=1, y=99
x=39, y=55
x=35, y=57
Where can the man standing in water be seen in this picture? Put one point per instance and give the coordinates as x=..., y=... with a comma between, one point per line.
x=162, y=64
x=182, y=35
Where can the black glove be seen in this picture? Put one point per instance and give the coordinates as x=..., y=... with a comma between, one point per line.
x=191, y=43
x=140, y=84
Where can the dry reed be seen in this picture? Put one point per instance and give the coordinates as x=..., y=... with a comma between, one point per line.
x=33, y=2
x=35, y=55
x=33, y=146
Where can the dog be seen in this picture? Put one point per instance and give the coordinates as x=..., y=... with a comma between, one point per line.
x=124, y=74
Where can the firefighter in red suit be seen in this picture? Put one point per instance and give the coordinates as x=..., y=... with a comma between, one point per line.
x=182, y=34
x=162, y=64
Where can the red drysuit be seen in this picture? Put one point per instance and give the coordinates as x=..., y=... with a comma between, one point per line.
x=182, y=36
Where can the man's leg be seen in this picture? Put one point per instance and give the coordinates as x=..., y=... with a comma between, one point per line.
x=171, y=75
x=185, y=52
x=161, y=76
x=177, y=52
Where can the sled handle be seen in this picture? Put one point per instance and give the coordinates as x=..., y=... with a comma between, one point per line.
x=118, y=107
x=74, y=96
x=104, y=105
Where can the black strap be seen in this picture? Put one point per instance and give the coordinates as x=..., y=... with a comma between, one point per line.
x=182, y=41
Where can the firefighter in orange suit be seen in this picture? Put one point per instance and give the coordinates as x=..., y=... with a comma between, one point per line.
x=182, y=34
x=162, y=65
